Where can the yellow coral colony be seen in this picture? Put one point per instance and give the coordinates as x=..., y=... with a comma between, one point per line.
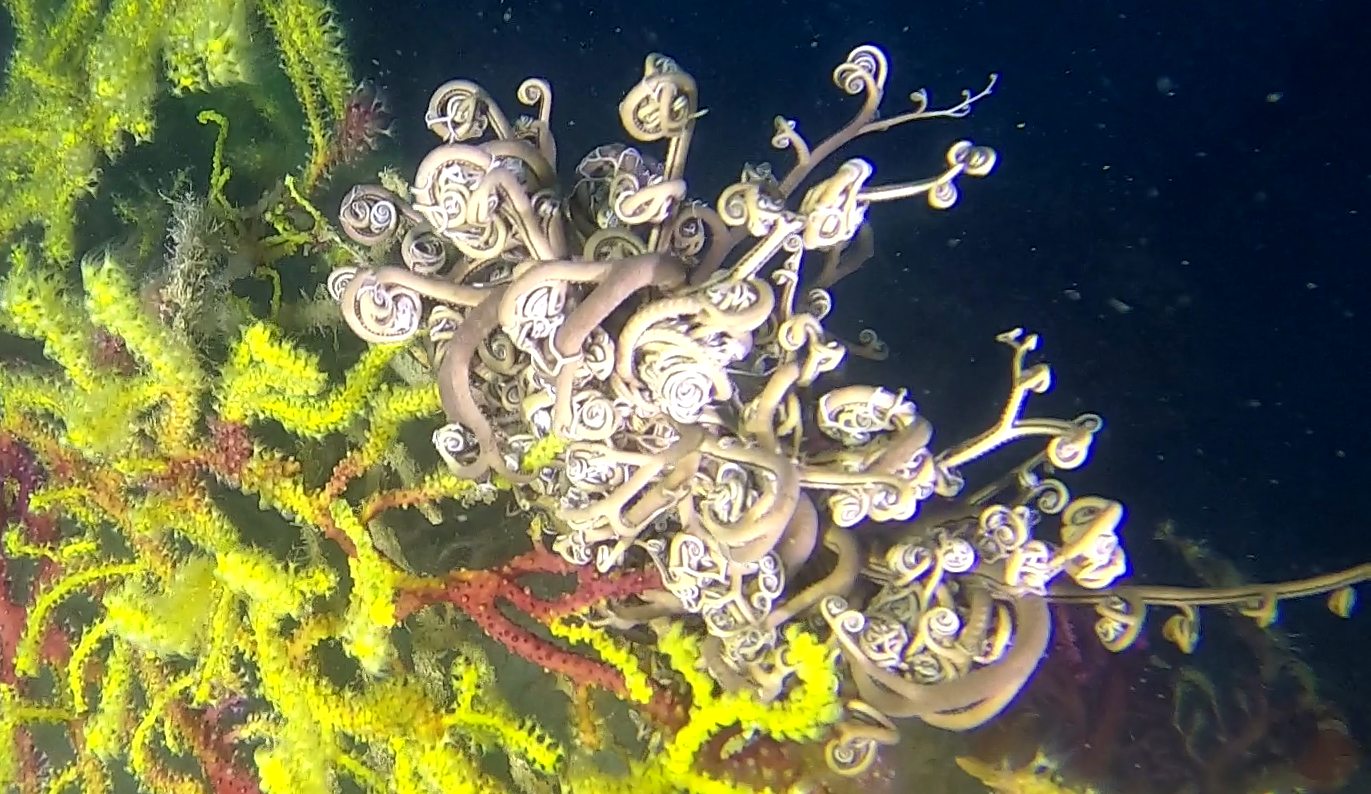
x=82, y=81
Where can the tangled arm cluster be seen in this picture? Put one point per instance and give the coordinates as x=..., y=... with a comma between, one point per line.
x=645, y=369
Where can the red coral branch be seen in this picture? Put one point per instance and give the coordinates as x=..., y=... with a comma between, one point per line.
x=212, y=742
x=482, y=594
x=20, y=475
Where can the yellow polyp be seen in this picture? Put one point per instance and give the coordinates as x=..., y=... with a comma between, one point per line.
x=92, y=776
x=195, y=519
x=519, y=736
x=271, y=276
x=444, y=769
x=269, y=476
x=77, y=504
x=544, y=452
x=321, y=224
x=261, y=354
x=361, y=775
x=324, y=728
x=27, y=393
x=386, y=708
x=388, y=408
x=76, y=551
x=104, y=422
x=67, y=777
x=170, y=623
x=296, y=757
x=279, y=772
x=270, y=586
x=178, y=595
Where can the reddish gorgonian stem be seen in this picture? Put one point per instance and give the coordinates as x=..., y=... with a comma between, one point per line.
x=210, y=734
x=481, y=594
x=503, y=583
x=20, y=476
x=231, y=446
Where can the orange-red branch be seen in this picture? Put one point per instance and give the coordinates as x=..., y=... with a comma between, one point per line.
x=483, y=594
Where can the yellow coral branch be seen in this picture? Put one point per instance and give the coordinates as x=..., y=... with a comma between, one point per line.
x=804, y=713
x=314, y=58
x=90, y=642
x=612, y=651
x=268, y=377
x=177, y=379
x=219, y=172
x=35, y=303
x=26, y=655
x=476, y=710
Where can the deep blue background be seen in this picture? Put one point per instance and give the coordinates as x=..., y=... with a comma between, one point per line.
x=1205, y=168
